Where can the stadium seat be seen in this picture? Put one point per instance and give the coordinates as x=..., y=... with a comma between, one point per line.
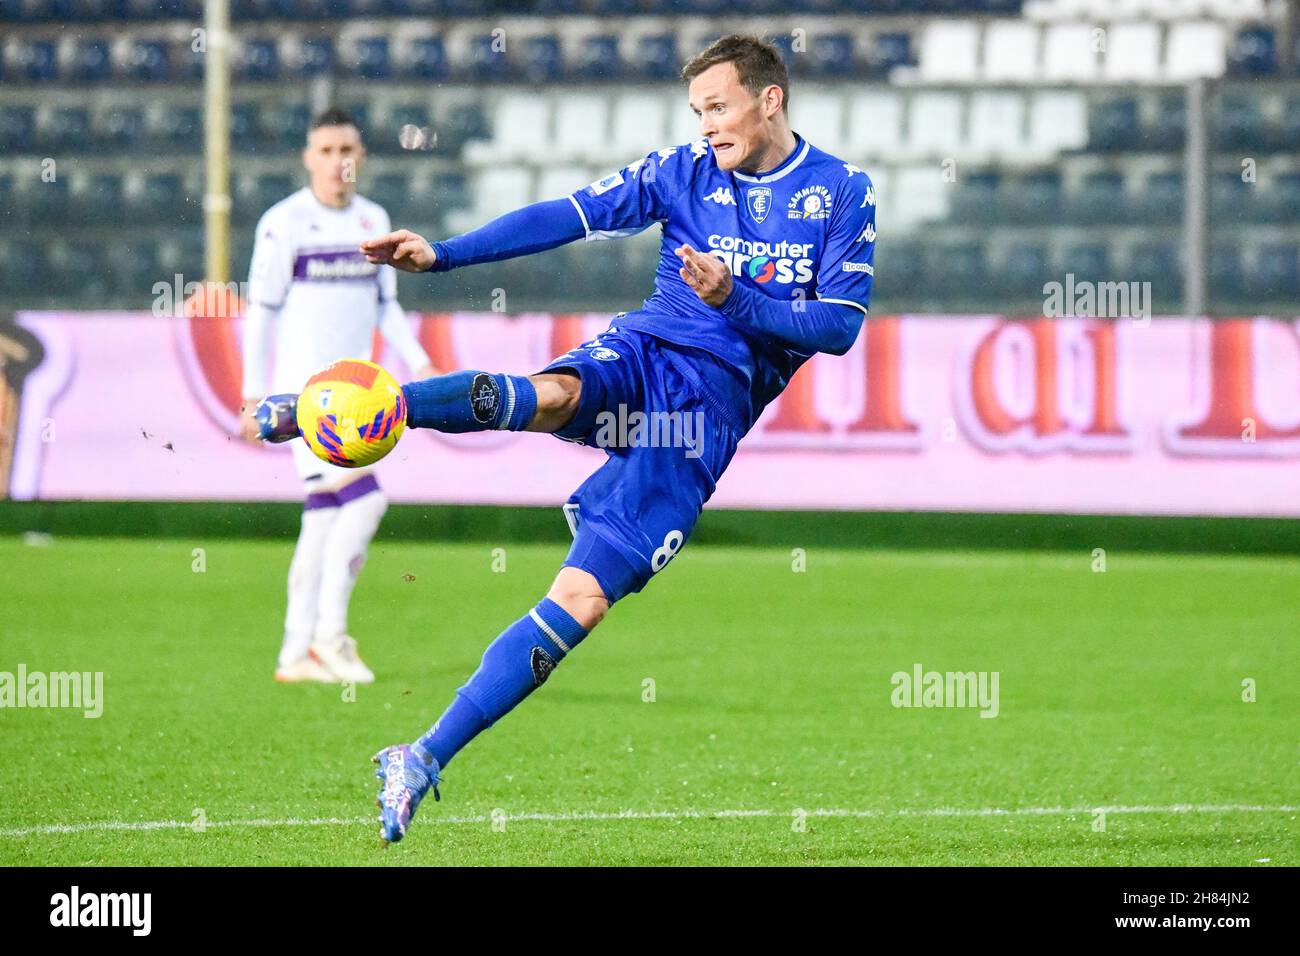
x=978, y=196
x=133, y=268
x=1113, y=125
x=1088, y=261
x=268, y=190
x=370, y=58
x=1069, y=53
x=656, y=57
x=996, y=120
x=1011, y=52
x=48, y=201
x=598, y=59
x=18, y=128
x=542, y=62
x=1232, y=199
x=283, y=125
x=1132, y=53
x=243, y=126
x=1158, y=263
x=488, y=60
x=1226, y=277
x=1253, y=52
x=1034, y=196
x=1274, y=274
x=428, y=58
x=1058, y=121
x=819, y=116
x=920, y=196
x=1161, y=198
x=949, y=51
x=885, y=52
x=393, y=191
x=465, y=122
x=1282, y=203
x=581, y=123
x=161, y=198
x=1287, y=138
x=934, y=123
x=875, y=123
x=180, y=127
x=639, y=124
x=500, y=190
x=315, y=57
x=832, y=56
x=519, y=122
x=1168, y=130
x=1194, y=50
x=1102, y=198
x=101, y=201
x=1025, y=269
x=121, y=127
x=148, y=61
x=36, y=61
x=957, y=270
x=90, y=62
x=1239, y=124
x=9, y=202
x=65, y=128
x=258, y=60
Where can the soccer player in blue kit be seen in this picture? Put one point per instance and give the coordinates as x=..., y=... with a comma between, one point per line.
x=766, y=259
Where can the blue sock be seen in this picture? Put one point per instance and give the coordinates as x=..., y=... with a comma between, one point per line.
x=471, y=401
x=514, y=665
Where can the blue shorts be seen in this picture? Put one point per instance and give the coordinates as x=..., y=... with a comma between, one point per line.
x=668, y=438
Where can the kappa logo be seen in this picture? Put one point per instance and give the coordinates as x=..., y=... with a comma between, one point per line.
x=868, y=233
x=666, y=154
x=811, y=202
x=870, y=198
x=851, y=169
x=722, y=196
x=699, y=148
x=759, y=200
x=542, y=664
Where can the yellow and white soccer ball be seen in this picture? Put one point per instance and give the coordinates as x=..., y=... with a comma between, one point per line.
x=352, y=413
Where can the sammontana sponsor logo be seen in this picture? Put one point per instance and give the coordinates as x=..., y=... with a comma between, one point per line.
x=811, y=202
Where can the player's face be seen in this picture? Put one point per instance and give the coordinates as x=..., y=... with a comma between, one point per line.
x=333, y=157
x=734, y=120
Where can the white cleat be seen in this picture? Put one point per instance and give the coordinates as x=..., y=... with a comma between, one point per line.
x=339, y=656
x=305, y=670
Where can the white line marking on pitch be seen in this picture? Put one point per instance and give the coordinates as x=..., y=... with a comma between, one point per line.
x=593, y=816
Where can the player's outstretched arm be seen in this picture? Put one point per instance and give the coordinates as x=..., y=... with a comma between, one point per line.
x=534, y=228
x=401, y=249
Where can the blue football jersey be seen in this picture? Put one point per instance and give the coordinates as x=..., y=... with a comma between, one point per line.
x=805, y=229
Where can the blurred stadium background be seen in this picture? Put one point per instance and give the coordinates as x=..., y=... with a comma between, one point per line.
x=1011, y=142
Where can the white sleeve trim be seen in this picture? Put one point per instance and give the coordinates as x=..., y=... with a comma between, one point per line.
x=856, y=305
x=583, y=216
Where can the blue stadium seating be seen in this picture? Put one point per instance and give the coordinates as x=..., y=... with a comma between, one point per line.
x=101, y=201
x=371, y=58
x=1102, y=199
x=1231, y=198
x=18, y=128
x=37, y=62
x=599, y=59
x=1025, y=270
x=67, y=129
x=977, y=195
x=1283, y=200
x=283, y=125
x=122, y=128
x=656, y=57
x=1168, y=131
x=1031, y=197
x=1087, y=261
x=1161, y=197
x=428, y=58
x=1239, y=124
x=1253, y=52
x=1288, y=133
x=487, y=61
x=1158, y=263
x=48, y=201
x=149, y=61
x=957, y=269
x=161, y=199
x=1113, y=125
x=181, y=127
x=832, y=55
x=243, y=126
x=316, y=56
x=542, y=62
x=90, y=62
x=1226, y=279
x=259, y=60
x=887, y=51
x=1275, y=274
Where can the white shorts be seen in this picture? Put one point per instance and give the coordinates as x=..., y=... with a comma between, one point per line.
x=317, y=473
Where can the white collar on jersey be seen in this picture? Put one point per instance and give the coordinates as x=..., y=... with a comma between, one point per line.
x=780, y=171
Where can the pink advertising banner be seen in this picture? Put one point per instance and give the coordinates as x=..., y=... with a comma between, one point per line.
x=946, y=413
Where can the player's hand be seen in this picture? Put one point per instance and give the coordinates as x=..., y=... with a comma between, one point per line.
x=425, y=371
x=402, y=249
x=248, y=429
x=708, y=275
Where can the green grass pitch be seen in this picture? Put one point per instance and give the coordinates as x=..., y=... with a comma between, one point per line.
x=770, y=739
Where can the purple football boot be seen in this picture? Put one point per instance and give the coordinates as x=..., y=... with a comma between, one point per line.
x=277, y=418
x=408, y=774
